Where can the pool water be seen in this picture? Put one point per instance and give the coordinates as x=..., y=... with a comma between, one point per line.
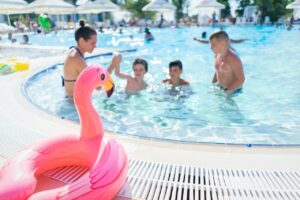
x=108, y=39
x=267, y=112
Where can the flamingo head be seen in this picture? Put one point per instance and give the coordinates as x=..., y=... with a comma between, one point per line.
x=93, y=77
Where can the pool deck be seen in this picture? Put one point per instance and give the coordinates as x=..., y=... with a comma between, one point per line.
x=20, y=118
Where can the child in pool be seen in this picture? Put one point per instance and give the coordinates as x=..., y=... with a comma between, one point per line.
x=175, y=70
x=136, y=82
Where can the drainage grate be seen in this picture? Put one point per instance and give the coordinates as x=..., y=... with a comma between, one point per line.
x=161, y=181
x=68, y=174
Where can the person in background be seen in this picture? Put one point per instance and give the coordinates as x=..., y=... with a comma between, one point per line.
x=148, y=35
x=25, y=39
x=161, y=21
x=291, y=22
x=28, y=23
x=101, y=29
x=18, y=25
x=205, y=41
x=214, y=19
x=120, y=30
x=9, y=36
x=204, y=35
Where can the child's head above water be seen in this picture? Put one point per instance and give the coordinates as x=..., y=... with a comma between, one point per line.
x=140, y=67
x=175, y=68
x=175, y=64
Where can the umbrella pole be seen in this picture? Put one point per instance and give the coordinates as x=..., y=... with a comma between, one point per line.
x=8, y=19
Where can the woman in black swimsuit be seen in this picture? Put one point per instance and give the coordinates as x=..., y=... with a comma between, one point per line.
x=86, y=39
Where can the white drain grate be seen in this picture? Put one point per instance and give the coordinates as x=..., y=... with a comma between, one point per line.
x=161, y=181
x=67, y=174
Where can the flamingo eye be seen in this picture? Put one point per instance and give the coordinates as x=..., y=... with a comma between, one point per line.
x=102, y=77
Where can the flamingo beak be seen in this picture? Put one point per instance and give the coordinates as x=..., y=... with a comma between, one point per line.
x=109, y=86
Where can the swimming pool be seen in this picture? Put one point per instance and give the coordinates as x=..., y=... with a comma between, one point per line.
x=108, y=39
x=266, y=113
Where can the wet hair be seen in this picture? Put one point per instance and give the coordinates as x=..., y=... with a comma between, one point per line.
x=147, y=30
x=203, y=35
x=176, y=63
x=9, y=35
x=25, y=38
x=84, y=32
x=142, y=62
x=219, y=36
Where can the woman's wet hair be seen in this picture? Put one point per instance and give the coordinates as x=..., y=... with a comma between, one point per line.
x=84, y=32
x=142, y=62
x=175, y=63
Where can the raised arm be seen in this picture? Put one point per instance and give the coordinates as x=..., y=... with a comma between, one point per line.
x=201, y=41
x=237, y=41
x=111, y=66
x=116, y=64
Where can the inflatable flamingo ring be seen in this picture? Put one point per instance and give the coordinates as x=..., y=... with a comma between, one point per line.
x=105, y=158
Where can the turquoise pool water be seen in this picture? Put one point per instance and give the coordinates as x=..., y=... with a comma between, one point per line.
x=109, y=38
x=266, y=113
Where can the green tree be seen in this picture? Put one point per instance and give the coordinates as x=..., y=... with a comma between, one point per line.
x=272, y=8
x=226, y=11
x=241, y=7
x=116, y=1
x=179, y=5
x=135, y=7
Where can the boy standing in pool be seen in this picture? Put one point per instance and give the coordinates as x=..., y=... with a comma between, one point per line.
x=175, y=70
x=229, y=74
x=135, y=83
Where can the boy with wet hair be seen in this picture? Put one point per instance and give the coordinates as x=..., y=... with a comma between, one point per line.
x=175, y=70
x=135, y=83
x=229, y=74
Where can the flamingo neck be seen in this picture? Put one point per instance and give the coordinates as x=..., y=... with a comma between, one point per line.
x=91, y=125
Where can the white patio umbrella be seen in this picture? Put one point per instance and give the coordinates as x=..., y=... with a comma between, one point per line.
x=81, y=2
x=98, y=6
x=51, y=7
x=12, y=4
x=210, y=4
x=208, y=7
x=159, y=5
x=8, y=7
x=294, y=5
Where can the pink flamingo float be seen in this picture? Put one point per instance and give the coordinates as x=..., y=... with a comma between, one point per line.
x=105, y=158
